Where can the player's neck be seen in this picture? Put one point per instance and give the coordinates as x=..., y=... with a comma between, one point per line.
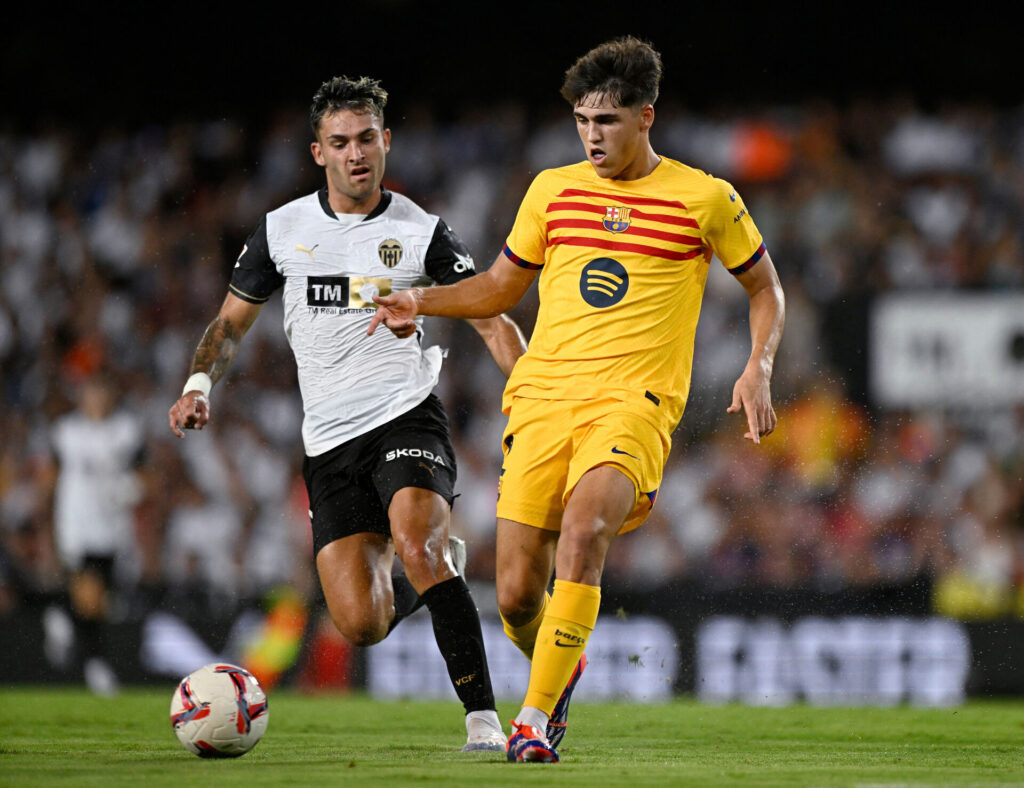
x=642, y=166
x=342, y=203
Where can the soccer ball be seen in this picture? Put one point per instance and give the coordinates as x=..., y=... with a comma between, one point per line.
x=219, y=711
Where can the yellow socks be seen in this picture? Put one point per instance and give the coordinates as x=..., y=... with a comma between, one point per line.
x=561, y=637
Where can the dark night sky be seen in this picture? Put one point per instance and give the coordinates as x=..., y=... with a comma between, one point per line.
x=101, y=66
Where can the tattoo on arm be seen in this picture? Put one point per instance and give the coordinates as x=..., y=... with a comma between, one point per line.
x=217, y=348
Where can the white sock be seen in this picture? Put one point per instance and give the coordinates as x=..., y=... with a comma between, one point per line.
x=534, y=717
x=486, y=719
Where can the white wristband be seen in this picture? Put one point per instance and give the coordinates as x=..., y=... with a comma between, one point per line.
x=198, y=382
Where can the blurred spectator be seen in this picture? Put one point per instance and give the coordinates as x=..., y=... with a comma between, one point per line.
x=98, y=449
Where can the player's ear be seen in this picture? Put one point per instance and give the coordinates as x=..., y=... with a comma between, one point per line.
x=646, y=117
x=387, y=140
x=318, y=154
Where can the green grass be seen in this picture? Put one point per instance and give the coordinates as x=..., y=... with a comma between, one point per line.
x=58, y=736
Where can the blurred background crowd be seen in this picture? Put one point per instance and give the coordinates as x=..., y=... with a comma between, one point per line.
x=115, y=251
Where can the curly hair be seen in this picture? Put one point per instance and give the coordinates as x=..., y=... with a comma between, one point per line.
x=625, y=70
x=359, y=95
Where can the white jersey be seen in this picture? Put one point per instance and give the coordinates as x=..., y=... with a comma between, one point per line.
x=96, y=487
x=329, y=268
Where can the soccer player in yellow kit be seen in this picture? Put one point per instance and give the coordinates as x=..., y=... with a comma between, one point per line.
x=622, y=244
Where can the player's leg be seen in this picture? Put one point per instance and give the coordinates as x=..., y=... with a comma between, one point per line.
x=419, y=524
x=355, y=575
x=612, y=479
x=596, y=510
x=415, y=477
x=537, y=448
x=419, y=527
x=525, y=563
x=88, y=589
x=351, y=543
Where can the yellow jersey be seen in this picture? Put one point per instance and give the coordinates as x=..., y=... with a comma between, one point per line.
x=623, y=266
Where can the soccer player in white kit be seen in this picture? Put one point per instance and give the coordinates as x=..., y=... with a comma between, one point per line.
x=98, y=449
x=379, y=466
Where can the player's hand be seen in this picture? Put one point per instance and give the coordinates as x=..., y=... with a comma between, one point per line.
x=191, y=412
x=396, y=311
x=753, y=396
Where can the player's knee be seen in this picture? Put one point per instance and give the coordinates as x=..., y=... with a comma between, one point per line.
x=360, y=629
x=362, y=634
x=421, y=560
x=518, y=604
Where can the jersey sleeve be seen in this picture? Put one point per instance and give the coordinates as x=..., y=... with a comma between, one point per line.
x=731, y=232
x=447, y=259
x=528, y=240
x=255, y=277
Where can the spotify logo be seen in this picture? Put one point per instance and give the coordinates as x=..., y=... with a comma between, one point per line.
x=604, y=282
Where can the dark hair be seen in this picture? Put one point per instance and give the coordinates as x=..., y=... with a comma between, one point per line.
x=626, y=70
x=359, y=95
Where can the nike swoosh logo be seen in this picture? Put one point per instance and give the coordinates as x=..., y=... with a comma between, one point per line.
x=732, y=197
x=617, y=450
x=567, y=645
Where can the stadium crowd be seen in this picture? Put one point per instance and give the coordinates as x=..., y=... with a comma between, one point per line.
x=116, y=245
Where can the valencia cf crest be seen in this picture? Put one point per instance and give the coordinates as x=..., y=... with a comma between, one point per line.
x=390, y=252
x=616, y=218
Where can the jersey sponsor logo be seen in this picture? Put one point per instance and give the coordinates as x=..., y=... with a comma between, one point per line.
x=568, y=640
x=397, y=454
x=390, y=252
x=617, y=450
x=306, y=249
x=616, y=218
x=362, y=289
x=604, y=282
x=739, y=216
x=339, y=295
x=327, y=291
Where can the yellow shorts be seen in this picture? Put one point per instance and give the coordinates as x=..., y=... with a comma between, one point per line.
x=550, y=444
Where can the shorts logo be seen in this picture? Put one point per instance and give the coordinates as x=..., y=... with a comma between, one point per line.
x=390, y=252
x=617, y=450
x=616, y=218
x=604, y=282
x=397, y=454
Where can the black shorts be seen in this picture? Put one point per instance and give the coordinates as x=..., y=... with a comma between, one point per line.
x=351, y=486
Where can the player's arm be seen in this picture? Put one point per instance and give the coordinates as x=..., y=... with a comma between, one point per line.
x=503, y=338
x=212, y=358
x=489, y=294
x=752, y=392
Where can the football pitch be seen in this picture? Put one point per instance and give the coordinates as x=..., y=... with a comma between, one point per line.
x=60, y=736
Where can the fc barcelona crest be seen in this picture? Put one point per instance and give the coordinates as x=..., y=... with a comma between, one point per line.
x=390, y=252
x=616, y=218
